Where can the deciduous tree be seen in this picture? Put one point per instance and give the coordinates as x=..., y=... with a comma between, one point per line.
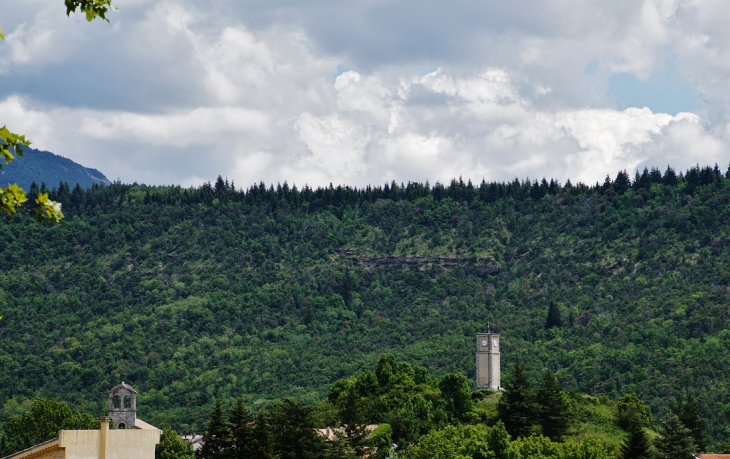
x=456, y=396
x=171, y=446
x=45, y=418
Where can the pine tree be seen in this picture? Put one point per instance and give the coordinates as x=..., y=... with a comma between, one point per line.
x=516, y=408
x=294, y=432
x=554, y=408
x=688, y=412
x=638, y=445
x=622, y=182
x=262, y=442
x=553, y=318
x=676, y=441
x=241, y=431
x=216, y=440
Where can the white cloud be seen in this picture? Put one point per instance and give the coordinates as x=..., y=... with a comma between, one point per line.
x=182, y=90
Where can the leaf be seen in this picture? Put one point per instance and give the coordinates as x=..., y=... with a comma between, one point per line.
x=18, y=193
x=92, y=8
x=11, y=143
x=48, y=211
x=2, y=37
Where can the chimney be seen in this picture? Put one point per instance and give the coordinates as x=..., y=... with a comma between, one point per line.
x=104, y=429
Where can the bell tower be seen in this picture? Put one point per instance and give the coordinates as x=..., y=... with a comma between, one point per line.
x=123, y=406
x=488, y=370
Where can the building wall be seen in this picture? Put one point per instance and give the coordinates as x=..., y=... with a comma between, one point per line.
x=132, y=444
x=120, y=444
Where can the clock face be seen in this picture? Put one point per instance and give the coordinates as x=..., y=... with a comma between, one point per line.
x=484, y=342
x=494, y=342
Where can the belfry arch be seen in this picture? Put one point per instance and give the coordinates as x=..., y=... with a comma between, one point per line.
x=123, y=406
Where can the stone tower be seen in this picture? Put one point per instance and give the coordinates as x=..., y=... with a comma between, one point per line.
x=123, y=406
x=488, y=372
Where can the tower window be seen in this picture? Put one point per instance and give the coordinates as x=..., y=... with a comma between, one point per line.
x=117, y=402
x=127, y=402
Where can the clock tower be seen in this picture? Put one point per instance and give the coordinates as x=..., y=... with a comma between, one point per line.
x=488, y=372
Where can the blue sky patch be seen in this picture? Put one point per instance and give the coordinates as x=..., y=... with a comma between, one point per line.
x=660, y=93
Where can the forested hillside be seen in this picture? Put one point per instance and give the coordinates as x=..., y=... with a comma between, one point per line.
x=195, y=294
x=44, y=167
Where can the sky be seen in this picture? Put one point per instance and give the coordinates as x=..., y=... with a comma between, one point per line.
x=358, y=92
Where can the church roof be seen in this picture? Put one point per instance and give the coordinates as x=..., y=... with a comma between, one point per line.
x=123, y=385
x=140, y=424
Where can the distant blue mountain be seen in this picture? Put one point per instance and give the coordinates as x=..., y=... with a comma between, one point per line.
x=45, y=167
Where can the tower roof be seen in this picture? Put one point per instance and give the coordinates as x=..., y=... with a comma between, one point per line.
x=123, y=385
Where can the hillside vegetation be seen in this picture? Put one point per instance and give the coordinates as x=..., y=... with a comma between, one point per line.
x=196, y=294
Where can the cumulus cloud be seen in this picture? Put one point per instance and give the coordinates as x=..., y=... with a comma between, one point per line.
x=179, y=91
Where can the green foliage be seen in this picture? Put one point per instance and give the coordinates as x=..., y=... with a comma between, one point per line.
x=382, y=439
x=193, y=301
x=638, y=445
x=217, y=437
x=554, y=408
x=688, y=411
x=633, y=411
x=456, y=396
x=294, y=432
x=92, y=8
x=538, y=447
x=451, y=442
x=553, y=318
x=45, y=418
x=10, y=145
x=242, y=431
x=391, y=395
x=676, y=440
x=499, y=442
x=516, y=407
x=262, y=443
x=467, y=442
x=171, y=446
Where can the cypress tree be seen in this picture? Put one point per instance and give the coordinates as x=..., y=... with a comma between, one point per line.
x=516, y=408
x=688, y=412
x=216, y=440
x=241, y=430
x=554, y=408
x=622, y=182
x=262, y=442
x=676, y=441
x=670, y=177
x=294, y=432
x=553, y=318
x=638, y=445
